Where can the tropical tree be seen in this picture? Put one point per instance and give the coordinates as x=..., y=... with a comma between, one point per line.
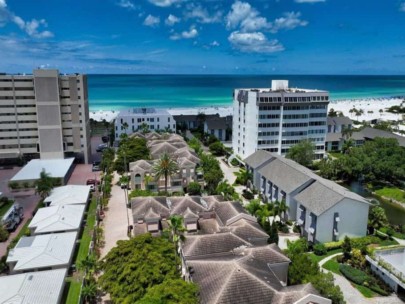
x=176, y=291
x=147, y=179
x=201, y=118
x=166, y=166
x=358, y=113
x=280, y=208
x=253, y=206
x=144, y=128
x=88, y=265
x=347, y=145
x=243, y=177
x=332, y=113
x=217, y=148
x=194, y=188
x=134, y=266
x=44, y=185
x=89, y=292
x=347, y=133
x=125, y=127
x=227, y=191
x=264, y=213
x=377, y=218
x=176, y=230
x=302, y=153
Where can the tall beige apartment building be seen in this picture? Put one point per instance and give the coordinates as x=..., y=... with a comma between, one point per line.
x=44, y=115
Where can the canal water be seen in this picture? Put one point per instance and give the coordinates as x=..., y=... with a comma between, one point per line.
x=395, y=214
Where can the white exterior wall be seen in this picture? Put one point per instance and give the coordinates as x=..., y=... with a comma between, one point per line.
x=160, y=121
x=262, y=124
x=353, y=217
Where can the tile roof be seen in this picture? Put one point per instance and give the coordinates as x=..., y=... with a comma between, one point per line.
x=209, y=244
x=40, y=287
x=227, y=210
x=251, y=232
x=244, y=277
x=42, y=251
x=141, y=165
x=57, y=219
x=373, y=133
x=339, y=120
x=179, y=205
x=141, y=205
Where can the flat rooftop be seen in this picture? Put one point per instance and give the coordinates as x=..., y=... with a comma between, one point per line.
x=394, y=257
x=42, y=251
x=57, y=168
x=33, y=287
x=57, y=219
x=68, y=195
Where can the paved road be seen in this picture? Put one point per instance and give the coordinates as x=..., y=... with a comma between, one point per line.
x=351, y=294
x=115, y=222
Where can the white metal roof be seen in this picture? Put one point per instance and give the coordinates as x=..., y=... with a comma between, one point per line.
x=54, y=167
x=57, y=219
x=47, y=250
x=33, y=287
x=68, y=195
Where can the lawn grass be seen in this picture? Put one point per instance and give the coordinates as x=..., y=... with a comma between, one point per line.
x=332, y=265
x=5, y=207
x=365, y=291
x=19, y=235
x=317, y=258
x=392, y=193
x=84, y=244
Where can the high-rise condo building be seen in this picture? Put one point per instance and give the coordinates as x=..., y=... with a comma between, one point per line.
x=44, y=115
x=276, y=119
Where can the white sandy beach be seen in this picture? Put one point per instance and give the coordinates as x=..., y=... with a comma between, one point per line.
x=370, y=106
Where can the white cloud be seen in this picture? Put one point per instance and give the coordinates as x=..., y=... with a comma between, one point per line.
x=164, y=3
x=171, y=20
x=255, y=42
x=402, y=7
x=32, y=28
x=248, y=18
x=214, y=43
x=126, y=4
x=192, y=33
x=309, y=1
x=202, y=15
x=151, y=21
x=290, y=21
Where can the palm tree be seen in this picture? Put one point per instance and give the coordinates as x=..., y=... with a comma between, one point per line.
x=280, y=209
x=146, y=181
x=347, y=145
x=227, y=191
x=347, y=132
x=44, y=185
x=243, y=176
x=125, y=127
x=88, y=265
x=177, y=230
x=165, y=166
x=264, y=213
x=253, y=207
x=144, y=128
x=89, y=292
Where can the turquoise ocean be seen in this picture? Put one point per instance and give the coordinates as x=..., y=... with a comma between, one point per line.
x=113, y=92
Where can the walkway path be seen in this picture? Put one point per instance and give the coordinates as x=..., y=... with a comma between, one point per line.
x=115, y=222
x=351, y=294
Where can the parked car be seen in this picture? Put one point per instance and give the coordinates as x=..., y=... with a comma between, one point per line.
x=12, y=218
x=92, y=182
x=101, y=147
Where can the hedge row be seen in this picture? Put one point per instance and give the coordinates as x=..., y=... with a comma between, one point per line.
x=361, y=278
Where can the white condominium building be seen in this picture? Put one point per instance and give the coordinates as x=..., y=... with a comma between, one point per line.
x=44, y=115
x=276, y=119
x=131, y=120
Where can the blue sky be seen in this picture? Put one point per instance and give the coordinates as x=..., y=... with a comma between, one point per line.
x=206, y=36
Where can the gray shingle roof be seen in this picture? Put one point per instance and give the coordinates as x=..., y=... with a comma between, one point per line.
x=179, y=205
x=141, y=205
x=258, y=158
x=227, y=210
x=219, y=123
x=321, y=196
x=372, y=133
x=286, y=174
x=339, y=120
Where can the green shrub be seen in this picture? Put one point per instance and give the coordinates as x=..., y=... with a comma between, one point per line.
x=248, y=195
x=355, y=275
x=296, y=229
x=390, y=232
x=3, y=234
x=235, y=163
x=194, y=188
x=26, y=185
x=139, y=192
x=289, y=223
x=320, y=249
x=217, y=148
x=333, y=245
x=13, y=185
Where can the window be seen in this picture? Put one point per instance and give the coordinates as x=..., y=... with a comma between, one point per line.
x=168, y=119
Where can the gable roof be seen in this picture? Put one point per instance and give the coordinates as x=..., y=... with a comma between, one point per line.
x=141, y=165
x=258, y=158
x=320, y=196
x=33, y=287
x=69, y=195
x=179, y=205
x=372, y=133
x=41, y=251
x=57, y=219
x=141, y=206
